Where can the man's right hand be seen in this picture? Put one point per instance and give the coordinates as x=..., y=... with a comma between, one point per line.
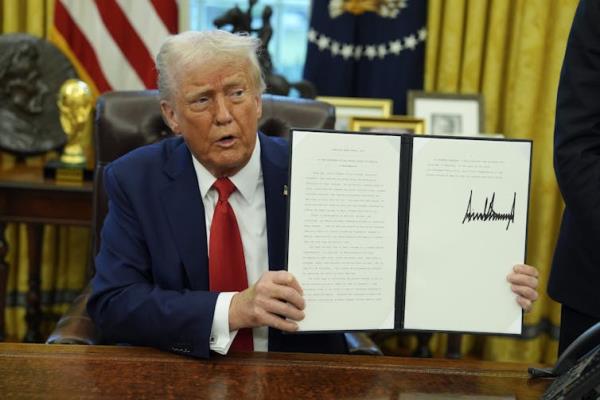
x=275, y=300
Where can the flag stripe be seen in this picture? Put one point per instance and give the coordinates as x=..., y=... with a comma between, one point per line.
x=69, y=30
x=167, y=10
x=57, y=38
x=115, y=65
x=114, y=42
x=146, y=22
x=126, y=37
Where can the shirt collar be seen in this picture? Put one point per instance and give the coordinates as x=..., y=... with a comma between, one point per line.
x=244, y=181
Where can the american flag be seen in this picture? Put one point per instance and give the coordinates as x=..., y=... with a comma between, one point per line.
x=113, y=43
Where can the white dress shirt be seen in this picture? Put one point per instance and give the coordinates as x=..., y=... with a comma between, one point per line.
x=248, y=203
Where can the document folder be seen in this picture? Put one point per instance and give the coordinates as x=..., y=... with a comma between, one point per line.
x=407, y=232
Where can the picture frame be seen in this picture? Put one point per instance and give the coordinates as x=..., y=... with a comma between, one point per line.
x=448, y=113
x=392, y=124
x=348, y=107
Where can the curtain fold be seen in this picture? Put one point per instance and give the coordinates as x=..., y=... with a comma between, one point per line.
x=65, y=251
x=511, y=51
x=24, y=16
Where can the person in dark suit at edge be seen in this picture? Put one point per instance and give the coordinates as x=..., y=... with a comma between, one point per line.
x=575, y=275
x=153, y=281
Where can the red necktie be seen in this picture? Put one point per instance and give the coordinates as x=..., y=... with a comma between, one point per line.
x=226, y=264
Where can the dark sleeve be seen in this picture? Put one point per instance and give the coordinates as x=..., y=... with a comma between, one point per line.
x=125, y=303
x=577, y=126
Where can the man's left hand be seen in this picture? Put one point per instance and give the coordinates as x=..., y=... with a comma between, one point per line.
x=524, y=283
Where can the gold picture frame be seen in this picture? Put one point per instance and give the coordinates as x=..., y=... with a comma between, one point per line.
x=392, y=124
x=348, y=107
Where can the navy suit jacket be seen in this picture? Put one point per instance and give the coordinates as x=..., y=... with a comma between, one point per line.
x=151, y=281
x=575, y=275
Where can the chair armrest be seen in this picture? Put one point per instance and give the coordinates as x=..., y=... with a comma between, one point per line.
x=361, y=343
x=75, y=326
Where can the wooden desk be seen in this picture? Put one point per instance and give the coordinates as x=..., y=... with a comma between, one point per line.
x=25, y=196
x=65, y=372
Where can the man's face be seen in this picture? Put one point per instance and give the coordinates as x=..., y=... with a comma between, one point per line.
x=216, y=110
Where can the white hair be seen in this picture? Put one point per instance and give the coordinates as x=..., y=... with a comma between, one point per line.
x=187, y=48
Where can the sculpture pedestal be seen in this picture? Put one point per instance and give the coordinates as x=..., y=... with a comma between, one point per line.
x=61, y=172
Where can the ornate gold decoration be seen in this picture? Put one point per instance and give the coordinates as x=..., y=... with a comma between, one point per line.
x=384, y=8
x=358, y=7
x=75, y=102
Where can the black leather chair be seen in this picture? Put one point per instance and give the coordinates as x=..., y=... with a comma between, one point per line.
x=126, y=120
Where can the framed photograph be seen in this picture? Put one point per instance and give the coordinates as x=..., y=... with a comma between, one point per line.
x=348, y=107
x=393, y=124
x=448, y=114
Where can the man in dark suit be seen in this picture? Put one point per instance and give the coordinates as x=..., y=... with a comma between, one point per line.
x=154, y=272
x=575, y=276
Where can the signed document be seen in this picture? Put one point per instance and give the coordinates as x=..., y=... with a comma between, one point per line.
x=468, y=224
x=390, y=231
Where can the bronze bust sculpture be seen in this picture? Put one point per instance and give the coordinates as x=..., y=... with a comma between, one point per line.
x=29, y=119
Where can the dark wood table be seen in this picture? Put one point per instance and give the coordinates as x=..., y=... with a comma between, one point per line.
x=25, y=196
x=66, y=372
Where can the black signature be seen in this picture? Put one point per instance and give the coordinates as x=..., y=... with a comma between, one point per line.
x=489, y=214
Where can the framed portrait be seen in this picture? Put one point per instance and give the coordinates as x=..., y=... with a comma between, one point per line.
x=392, y=124
x=348, y=107
x=448, y=114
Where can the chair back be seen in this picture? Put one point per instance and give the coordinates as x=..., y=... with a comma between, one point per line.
x=129, y=119
x=126, y=120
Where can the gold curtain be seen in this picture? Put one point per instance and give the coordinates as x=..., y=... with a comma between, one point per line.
x=29, y=16
x=65, y=250
x=511, y=51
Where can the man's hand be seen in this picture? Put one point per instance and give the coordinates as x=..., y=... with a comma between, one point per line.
x=524, y=282
x=277, y=295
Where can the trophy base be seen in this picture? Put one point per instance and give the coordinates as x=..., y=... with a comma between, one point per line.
x=61, y=172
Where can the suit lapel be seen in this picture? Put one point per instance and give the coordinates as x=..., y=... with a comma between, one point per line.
x=185, y=211
x=274, y=159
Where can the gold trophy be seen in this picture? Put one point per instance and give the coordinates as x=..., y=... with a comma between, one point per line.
x=75, y=105
x=75, y=101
